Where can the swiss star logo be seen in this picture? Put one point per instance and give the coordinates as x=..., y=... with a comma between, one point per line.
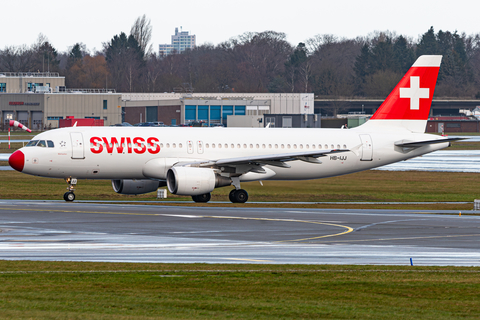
x=415, y=93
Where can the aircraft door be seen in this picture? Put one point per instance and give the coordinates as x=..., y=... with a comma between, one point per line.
x=189, y=146
x=199, y=146
x=77, y=145
x=367, y=147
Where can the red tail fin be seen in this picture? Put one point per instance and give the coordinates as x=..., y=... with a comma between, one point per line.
x=412, y=97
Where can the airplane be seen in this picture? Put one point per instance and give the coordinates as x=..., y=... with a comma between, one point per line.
x=195, y=161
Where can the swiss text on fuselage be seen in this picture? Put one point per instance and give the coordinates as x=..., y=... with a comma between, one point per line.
x=137, y=145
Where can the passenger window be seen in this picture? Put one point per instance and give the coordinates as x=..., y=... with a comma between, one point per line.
x=32, y=143
x=50, y=144
x=41, y=143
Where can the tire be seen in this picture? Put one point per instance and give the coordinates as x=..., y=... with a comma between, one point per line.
x=69, y=196
x=202, y=197
x=231, y=196
x=241, y=196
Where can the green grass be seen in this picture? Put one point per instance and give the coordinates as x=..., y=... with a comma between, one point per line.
x=367, y=186
x=70, y=290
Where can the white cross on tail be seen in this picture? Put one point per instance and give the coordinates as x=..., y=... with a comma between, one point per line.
x=415, y=93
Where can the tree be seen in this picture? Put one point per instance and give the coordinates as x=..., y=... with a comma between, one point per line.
x=44, y=56
x=142, y=32
x=428, y=43
x=297, y=68
x=125, y=61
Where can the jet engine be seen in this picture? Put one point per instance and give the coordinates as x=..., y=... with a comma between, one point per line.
x=136, y=186
x=191, y=181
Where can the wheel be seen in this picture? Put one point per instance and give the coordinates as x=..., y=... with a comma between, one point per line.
x=240, y=196
x=231, y=196
x=69, y=196
x=202, y=197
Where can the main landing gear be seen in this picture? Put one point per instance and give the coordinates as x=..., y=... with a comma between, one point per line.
x=202, y=197
x=237, y=195
x=69, y=195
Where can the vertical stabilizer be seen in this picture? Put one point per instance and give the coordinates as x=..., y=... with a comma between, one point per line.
x=408, y=105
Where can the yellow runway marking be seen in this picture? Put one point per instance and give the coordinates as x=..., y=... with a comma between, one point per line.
x=292, y=220
x=348, y=229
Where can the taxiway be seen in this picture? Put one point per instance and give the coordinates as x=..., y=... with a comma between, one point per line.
x=46, y=230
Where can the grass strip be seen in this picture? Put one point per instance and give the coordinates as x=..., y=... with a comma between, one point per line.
x=78, y=290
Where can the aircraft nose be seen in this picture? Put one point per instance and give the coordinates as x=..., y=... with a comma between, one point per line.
x=17, y=160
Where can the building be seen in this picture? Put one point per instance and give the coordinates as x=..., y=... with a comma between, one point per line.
x=211, y=108
x=180, y=42
x=22, y=82
x=44, y=110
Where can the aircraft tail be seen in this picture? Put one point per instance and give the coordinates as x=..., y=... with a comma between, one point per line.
x=408, y=105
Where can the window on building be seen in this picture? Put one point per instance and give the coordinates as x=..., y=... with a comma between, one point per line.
x=286, y=122
x=190, y=113
x=105, y=105
x=203, y=113
x=227, y=110
x=215, y=114
x=3, y=87
x=271, y=121
x=239, y=110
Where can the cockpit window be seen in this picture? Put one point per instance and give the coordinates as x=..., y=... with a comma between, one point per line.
x=41, y=143
x=32, y=143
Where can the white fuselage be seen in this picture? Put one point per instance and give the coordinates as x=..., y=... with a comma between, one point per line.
x=91, y=152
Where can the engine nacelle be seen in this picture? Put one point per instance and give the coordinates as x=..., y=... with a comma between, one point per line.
x=136, y=186
x=191, y=181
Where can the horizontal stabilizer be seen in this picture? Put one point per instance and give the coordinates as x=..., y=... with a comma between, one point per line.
x=418, y=144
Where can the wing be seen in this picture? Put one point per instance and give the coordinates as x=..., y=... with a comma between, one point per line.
x=277, y=160
x=4, y=156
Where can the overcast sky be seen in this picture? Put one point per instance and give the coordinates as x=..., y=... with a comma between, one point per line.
x=93, y=22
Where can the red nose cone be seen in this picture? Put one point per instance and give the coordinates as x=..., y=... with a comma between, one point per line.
x=17, y=160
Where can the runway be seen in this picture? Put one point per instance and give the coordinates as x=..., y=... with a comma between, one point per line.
x=46, y=230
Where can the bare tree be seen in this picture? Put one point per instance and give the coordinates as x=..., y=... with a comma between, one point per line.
x=142, y=32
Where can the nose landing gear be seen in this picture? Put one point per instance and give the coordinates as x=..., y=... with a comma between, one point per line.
x=69, y=195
